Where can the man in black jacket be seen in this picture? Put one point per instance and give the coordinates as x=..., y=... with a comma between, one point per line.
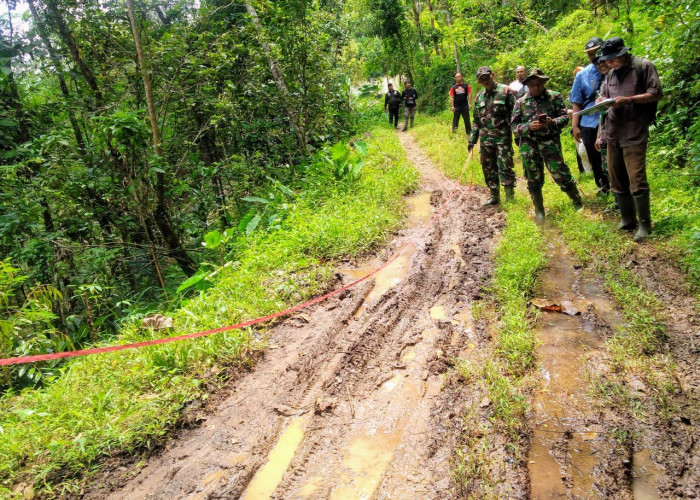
x=410, y=95
x=392, y=101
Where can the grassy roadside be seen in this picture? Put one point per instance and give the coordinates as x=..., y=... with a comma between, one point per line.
x=501, y=371
x=103, y=405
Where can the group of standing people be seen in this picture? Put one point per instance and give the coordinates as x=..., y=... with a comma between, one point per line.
x=615, y=134
x=393, y=100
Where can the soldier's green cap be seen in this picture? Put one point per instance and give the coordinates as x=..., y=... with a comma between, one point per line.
x=484, y=70
x=535, y=73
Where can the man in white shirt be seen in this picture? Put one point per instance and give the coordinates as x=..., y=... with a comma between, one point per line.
x=517, y=85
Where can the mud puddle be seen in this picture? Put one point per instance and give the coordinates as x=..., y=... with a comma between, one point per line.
x=570, y=444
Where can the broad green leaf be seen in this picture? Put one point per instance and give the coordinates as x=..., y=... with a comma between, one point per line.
x=255, y=199
x=360, y=147
x=252, y=224
x=212, y=239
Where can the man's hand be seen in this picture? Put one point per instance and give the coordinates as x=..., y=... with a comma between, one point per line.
x=453, y=109
x=536, y=125
x=577, y=134
x=598, y=144
x=621, y=100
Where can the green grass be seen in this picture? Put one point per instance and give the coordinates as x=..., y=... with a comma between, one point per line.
x=126, y=402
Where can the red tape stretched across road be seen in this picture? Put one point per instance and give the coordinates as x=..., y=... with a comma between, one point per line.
x=97, y=350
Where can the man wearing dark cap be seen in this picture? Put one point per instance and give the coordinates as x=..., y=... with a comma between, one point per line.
x=634, y=84
x=585, y=128
x=493, y=108
x=409, y=96
x=538, y=119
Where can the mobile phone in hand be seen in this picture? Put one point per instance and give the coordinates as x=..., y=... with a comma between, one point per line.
x=542, y=118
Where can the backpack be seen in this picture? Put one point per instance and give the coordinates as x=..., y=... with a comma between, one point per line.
x=648, y=109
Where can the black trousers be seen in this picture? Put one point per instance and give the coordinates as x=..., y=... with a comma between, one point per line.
x=588, y=137
x=464, y=113
x=394, y=116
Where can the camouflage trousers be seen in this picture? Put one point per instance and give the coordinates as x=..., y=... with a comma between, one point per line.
x=537, y=154
x=497, y=164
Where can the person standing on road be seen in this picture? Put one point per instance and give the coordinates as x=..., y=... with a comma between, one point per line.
x=538, y=119
x=585, y=128
x=460, y=93
x=409, y=96
x=493, y=109
x=634, y=84
x=392, y=101
x=517, y=85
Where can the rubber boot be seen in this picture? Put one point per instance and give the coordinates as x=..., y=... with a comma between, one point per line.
x=628, y=217
x=411, y=122
x=538, y=202
x=495, y=197
x=573, y=193
x=510, y=193
x=641, y=203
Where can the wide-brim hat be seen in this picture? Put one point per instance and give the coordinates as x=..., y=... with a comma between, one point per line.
x=613, y=48
x=535, y=73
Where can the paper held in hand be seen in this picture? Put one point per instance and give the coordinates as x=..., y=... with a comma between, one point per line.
x=597, y=108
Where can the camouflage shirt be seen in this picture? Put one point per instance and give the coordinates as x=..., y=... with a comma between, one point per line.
x=492, y=112
x=528, y=108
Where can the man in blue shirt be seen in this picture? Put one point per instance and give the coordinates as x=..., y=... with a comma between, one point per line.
x=585, y=128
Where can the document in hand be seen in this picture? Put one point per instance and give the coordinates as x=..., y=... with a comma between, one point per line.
x=601, y=106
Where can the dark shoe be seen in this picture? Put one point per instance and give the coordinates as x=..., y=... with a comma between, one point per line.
x=573, y=193
x=628, y=220
x=403, y=129
x=641, y=203
x=510, y=193
x=495, y=197
x=538, y=202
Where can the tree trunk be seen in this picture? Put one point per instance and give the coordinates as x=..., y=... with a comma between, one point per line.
x=67, y=38
x=278, y=77
x=421, y=35
x=454, y=46
x=432, y=25
x=162, y=215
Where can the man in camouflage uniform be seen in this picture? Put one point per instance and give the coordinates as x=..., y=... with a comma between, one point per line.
x=538, y=119
x=492, y=112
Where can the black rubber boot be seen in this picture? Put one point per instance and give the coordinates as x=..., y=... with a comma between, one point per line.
x=510, y=193
x=641, y=203
x=495, y=197
x=628, y=217
x=538, y=202
x=573, y=193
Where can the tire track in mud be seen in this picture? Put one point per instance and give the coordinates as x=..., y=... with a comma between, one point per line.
x=347, y=402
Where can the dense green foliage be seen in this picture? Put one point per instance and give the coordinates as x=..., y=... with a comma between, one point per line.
x=90, y=207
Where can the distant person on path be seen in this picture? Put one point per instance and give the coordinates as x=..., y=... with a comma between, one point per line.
x=538, y=119
x=460, y=93
x=392, y=101
x=493, y=109
x=518, y=86
x=409, y=96
x=634, y=84
x=585, y=128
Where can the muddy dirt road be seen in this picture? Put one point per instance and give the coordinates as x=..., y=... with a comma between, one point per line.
x=347, y=401
x=350, y=400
